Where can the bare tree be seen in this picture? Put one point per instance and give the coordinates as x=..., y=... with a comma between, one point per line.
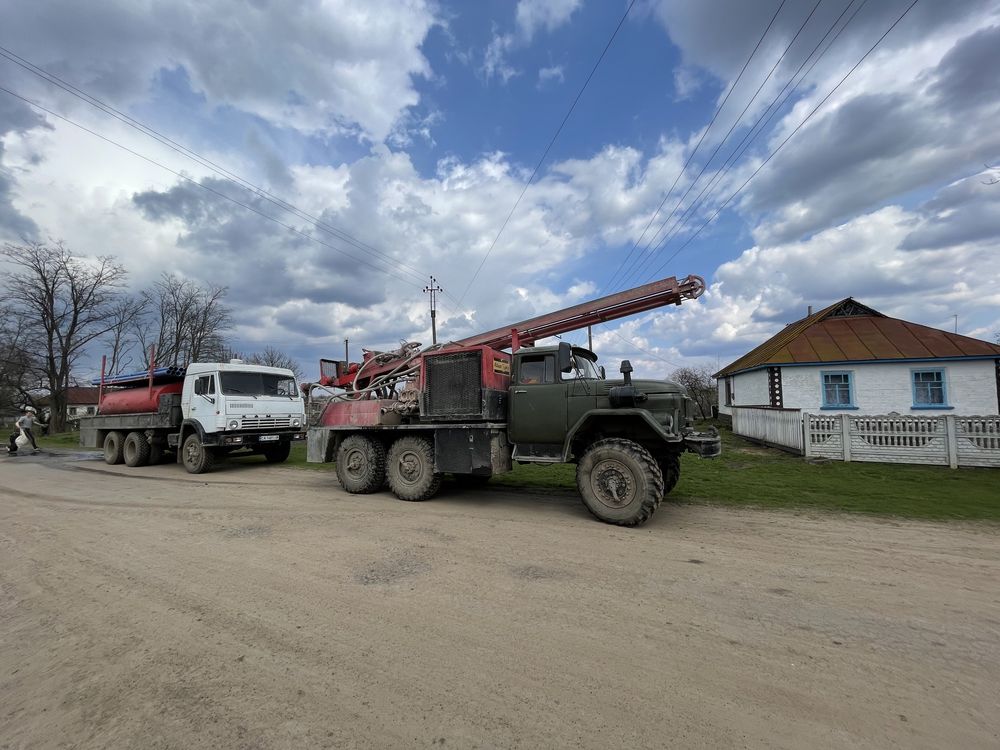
x=120, y=343
x=183, y=320
x=20, y=364
x=272, y=357
x=65, y=302
x=700, y=386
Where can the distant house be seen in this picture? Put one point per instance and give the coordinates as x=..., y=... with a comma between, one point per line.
x=80, y=402
x=849, y=358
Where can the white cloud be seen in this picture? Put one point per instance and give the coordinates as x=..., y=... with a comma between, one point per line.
x=550, y=75
x=319, y=66
x=532, y=15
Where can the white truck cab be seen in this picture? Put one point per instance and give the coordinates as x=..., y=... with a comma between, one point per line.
x=236, y=396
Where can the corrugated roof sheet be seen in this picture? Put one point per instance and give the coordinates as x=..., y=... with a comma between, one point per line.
x=848, y=331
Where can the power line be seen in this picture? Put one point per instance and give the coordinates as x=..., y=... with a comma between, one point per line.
x=753, y=132
x=643, y=351
x=732, y=127
x=205, y=187
x=788, y=138
x=546, y=152
x=203, y=161
x=691, y=156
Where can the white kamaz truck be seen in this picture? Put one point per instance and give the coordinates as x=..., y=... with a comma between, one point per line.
x=199, y=413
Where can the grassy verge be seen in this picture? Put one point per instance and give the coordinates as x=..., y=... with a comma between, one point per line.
x=751, y=475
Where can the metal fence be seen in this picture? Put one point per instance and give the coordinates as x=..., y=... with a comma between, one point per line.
x=770, y=425
x=888, y=438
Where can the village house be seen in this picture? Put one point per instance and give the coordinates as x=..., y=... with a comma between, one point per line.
x=851, y=359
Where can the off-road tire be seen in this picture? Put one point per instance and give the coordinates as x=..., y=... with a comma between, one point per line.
x=275, y=454
x=361, y=464
x=136, y=449
x=619, y=482
x=113, y=442
x=197, y=459
x=410, y=469
x=670, y=468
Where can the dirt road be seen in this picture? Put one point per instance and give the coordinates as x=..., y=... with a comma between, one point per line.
x=261, y=607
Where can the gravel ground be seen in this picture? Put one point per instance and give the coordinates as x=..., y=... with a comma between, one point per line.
x=261, y=607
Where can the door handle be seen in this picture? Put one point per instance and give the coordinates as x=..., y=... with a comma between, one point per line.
x=519, y=390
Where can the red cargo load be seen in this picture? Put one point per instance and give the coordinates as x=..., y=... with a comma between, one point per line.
x=136, y=400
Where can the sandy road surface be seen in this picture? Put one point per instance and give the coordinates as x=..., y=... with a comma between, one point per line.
x=260, y=607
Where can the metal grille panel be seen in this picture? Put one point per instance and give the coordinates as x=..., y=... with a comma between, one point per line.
x=454, y=383
x=259, y=424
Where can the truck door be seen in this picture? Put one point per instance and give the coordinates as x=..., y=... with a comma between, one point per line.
x=537, y=401
x=200, y=403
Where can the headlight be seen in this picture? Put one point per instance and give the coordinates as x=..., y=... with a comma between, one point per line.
x=234, y=424
x=296, y=422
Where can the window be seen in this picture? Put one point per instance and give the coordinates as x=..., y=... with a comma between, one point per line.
x=729, y=391
x=204, y=386
x=583, y=369
x=838, y=390
x=537, y=369
x=929, y=389
x=72, y=411
x=256, y=384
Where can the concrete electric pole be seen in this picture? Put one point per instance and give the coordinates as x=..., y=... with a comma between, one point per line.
x=433, y=288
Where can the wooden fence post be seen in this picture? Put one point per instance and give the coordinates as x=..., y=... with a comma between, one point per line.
x=845, y=436
x=806, y=436
x=951, y=440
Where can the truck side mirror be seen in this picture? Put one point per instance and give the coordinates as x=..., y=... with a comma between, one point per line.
x=564, y=357
x=604, y=375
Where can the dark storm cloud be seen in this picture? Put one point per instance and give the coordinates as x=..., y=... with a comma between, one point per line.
x=14, y=225
x=876, y=147
x=261, y=261
x=968, y=211
x=18, y=117
x=967, y=76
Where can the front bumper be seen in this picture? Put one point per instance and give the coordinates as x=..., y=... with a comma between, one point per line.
x=253, y=439
x=706, y=444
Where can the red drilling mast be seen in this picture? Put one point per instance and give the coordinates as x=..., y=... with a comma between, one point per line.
x=650, y=296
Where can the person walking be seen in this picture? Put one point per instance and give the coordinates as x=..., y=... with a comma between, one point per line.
x=25, y=424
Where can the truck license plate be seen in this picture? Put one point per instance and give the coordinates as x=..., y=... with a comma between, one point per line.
x=264, y=438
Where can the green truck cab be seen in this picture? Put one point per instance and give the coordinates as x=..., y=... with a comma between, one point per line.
x=625, y=436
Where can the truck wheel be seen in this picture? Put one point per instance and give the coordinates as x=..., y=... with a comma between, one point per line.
x=619, y=482
x=197, y=458
x=113, y=448
x=136, y=449
x=275, y=454
x=361, y=465
x=670, y=468
x=410, y=469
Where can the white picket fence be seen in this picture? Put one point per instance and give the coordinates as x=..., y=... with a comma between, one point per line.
x=945, y=440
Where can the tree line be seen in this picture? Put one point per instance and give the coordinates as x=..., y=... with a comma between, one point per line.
x=60, y=308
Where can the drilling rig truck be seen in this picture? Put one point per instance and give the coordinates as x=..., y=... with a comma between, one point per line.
x=469, y=408
x=198, y=413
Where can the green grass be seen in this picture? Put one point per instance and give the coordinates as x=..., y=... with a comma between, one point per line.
x=63, y=440
x=753, y=476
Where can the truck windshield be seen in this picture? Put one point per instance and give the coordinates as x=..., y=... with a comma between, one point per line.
x=257, y=384
x=583, y=369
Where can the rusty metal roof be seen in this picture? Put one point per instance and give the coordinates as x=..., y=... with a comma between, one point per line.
x=848, y=331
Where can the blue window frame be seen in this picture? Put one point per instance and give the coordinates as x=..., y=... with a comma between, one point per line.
x=838, y=389
x=929, y=389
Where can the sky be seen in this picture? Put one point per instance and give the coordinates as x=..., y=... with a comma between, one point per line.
x=322, y=159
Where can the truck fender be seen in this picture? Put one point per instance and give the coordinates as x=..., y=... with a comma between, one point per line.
x=597, y=414
x=187, y=427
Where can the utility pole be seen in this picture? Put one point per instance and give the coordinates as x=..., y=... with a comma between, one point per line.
x=347, y=350
x=956, y=322
x=433, y=288
x=590, y=339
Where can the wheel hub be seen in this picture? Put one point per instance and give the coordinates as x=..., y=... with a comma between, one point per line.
x=613, y=483
x=409, y=467
x=356, y=463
